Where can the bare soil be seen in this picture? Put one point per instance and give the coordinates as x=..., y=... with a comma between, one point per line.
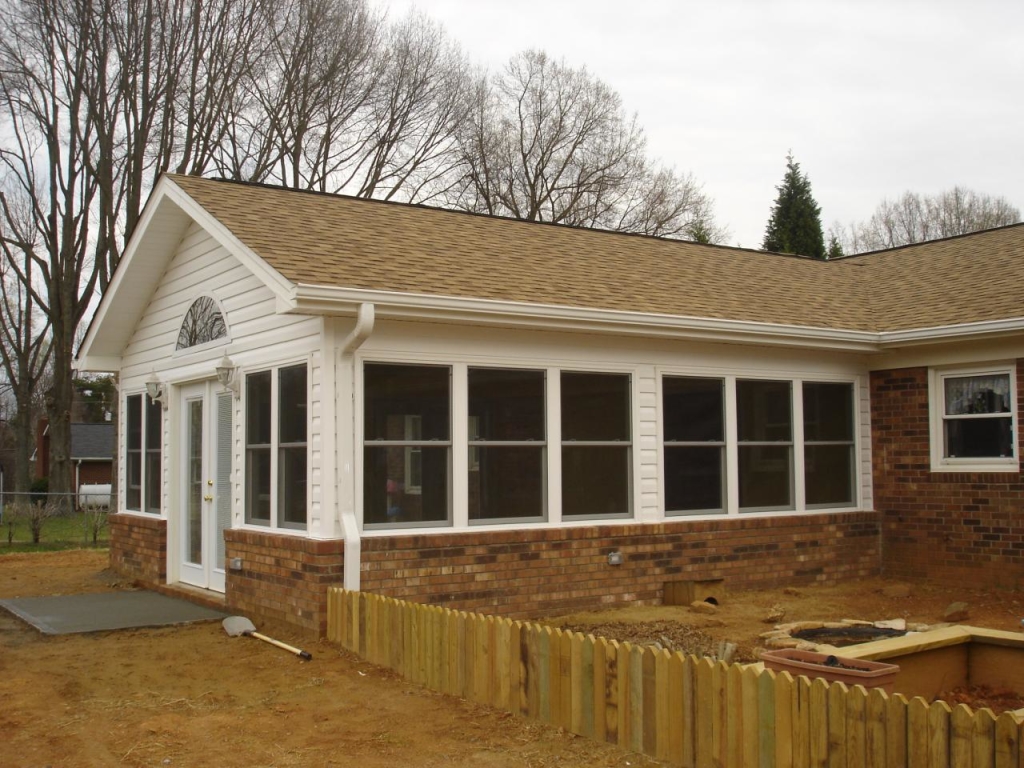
x=186, y=696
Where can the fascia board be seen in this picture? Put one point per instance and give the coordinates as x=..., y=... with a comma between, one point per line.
x=97, y=364
x=315, y=299
x=944, y=333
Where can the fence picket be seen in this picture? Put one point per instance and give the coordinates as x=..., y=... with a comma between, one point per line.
x=785, y=691
x=649, y=702
x=837, y=693
x=874, y=748
x=565, y=680
x=689, y=711
x=662, y=707
x=1007, y=742
x=938, y=735
x=961, y=729
x=581, y=665
x=737, y=739
x=856, y=727
x=706, y=705
x=818, y=726
x=983, y=739
x=764, y=720
x=802, y=722
x=896, y=731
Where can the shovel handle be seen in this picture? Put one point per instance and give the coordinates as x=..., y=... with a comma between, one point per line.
x=305, y=655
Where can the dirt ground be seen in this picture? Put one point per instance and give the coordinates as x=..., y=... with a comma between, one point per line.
x=188, y=696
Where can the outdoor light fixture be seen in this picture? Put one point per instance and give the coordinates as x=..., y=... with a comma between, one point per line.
x=227, y=375
x=155, y=389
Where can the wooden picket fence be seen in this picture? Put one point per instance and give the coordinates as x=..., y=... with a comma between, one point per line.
x=683, y=710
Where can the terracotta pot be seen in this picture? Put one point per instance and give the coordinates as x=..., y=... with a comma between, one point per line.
x=870, y=674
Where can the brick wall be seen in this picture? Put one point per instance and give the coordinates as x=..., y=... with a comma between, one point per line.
x=283, y=578
x=951, y=528
x=536, y=572
x=138, y=547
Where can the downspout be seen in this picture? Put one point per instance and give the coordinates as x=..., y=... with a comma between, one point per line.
x=349, y=525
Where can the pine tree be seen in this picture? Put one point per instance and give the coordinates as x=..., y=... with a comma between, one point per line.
x=795, y=223
x=835, y=248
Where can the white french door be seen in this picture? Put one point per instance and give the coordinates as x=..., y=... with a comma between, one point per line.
x=205, y=484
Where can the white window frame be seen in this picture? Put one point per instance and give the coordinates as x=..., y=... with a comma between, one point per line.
x=275, y=523
x=937, y=418
x=143, y=457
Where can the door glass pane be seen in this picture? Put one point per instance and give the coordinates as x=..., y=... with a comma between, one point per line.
x=595, y=480
x=765, y=476
x=389, y=493
x=225, y=407
x=693, y=478
x=194, y=518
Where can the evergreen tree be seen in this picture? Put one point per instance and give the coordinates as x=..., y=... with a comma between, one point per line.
x=835, y=248
x=795, y=223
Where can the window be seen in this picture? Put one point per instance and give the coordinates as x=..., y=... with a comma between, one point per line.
x=276, y=437
x=596, y=460
x=507, y=467
x=974, y=420
x=203, y=323
x=829, y=445
x=694, y=419
x=764, y=427
x=406, y=444
x=143, y=454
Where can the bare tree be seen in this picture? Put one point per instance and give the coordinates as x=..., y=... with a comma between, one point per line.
x=546, y=142
x=914, y=218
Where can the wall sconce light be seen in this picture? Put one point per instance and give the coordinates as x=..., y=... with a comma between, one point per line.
x=227, y=375
x=155, y=390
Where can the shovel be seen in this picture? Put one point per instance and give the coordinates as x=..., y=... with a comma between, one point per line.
x=239, y=625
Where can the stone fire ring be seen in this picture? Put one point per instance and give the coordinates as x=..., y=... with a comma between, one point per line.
x=783, y=635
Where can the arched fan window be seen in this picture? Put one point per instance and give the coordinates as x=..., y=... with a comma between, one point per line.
x=203, y=322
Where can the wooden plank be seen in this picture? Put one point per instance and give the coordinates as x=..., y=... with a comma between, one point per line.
x=704, y=712
x=939, y=715
x=785, y=691
x=515, y=667
x=802, y=722
x=675, y=717
x=1007, y=742
x=818, y=726
x=662, y=716
x=483, y=667
x=764, y=721
x=612, y=699
x=565, y=684
x=648, y=725
x=625, y=711
x=837, y=725
x=983, y=742
x=687, y=723
x=502, y=650
x=917, y=733
x=896, y=730
x=461, y=658
x=600, y=688
x=874, y=751
x=542, y=677
x=582, y=682
x=961, y=733
x=856, y=727
x=737, y=736
x=528, y=671
x=720, y=713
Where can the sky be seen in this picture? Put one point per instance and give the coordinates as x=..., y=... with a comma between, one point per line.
x=873, y=98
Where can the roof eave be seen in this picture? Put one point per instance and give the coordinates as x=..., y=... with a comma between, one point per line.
x=986, y=329
x=318, y=299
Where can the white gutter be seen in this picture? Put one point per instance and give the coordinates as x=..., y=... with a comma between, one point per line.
x=316, y=299
x=365, y=316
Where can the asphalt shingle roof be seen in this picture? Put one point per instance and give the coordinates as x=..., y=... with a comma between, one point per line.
x=333, y=240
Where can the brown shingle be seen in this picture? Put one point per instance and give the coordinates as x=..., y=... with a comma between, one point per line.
x=332, y=240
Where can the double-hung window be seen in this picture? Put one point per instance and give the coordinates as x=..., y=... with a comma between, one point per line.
x=406, y=444
x=694, y=419
x=829, y=444
x=764, y=426
x=276, y=438
x=508, y=461
x=144, y=418
x=974, y=419
x=596, y=444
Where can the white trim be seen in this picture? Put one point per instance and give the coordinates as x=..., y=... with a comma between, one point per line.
x=936, y=417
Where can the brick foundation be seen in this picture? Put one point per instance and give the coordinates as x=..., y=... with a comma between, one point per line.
x=138, y=547
x=283, y=578
x=949, y=528
x=550, y=571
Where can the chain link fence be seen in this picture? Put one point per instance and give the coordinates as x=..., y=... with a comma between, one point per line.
x=39, y=520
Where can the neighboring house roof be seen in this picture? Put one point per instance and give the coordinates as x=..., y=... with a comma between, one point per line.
x=330, y=253
x=92, y=442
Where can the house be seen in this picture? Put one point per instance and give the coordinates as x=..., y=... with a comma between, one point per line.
x=92, y=452
x=525, y=418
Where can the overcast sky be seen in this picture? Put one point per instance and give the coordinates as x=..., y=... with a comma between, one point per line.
x=873, y=98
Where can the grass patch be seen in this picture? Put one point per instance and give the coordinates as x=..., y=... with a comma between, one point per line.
x=58, y=532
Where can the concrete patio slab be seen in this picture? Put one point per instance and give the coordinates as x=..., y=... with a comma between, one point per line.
x=105, y=611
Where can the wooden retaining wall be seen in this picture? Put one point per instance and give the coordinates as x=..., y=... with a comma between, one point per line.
x=676, y=708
